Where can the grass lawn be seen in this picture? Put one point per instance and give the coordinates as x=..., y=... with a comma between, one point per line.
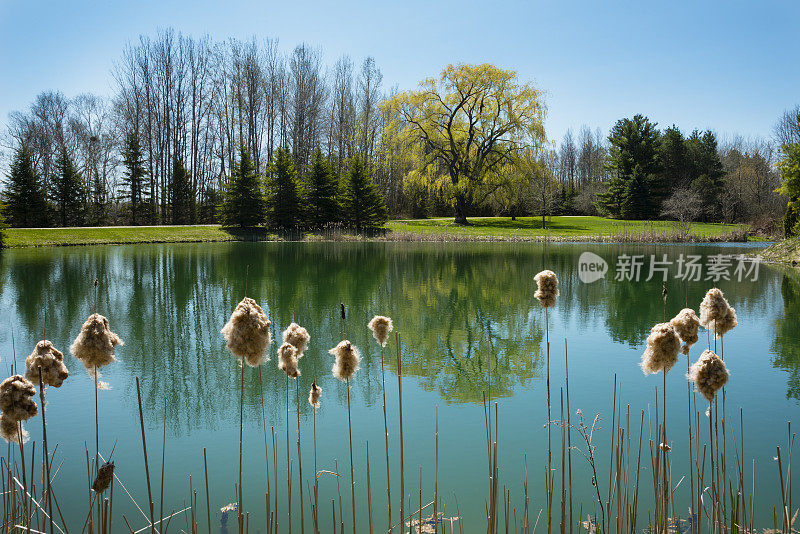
x=42, y=237
x=480, y=228
x=562, y=227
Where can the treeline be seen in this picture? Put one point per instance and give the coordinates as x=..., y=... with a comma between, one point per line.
x=186, y=114
x=167, y=146
x=641, y=172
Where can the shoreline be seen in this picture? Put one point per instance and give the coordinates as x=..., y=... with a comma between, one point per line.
x=523, y=230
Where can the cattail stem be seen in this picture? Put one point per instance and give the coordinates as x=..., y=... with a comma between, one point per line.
x=549, y=479
x=208, y=498
x=240, y=512
x=48, y=488
x=386, y=440
x=400, y=408
x=300, y=460
x=352, y=476
x=144, y=449
x=266, y=448
x=288, y=469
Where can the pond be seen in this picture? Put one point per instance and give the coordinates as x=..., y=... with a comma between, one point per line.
x=463, y=311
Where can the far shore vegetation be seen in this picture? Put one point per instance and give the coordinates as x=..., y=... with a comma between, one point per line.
x=311, y=149
x=558, y=228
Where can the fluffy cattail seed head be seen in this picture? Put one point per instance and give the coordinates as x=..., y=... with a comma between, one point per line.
x=347, y=362
x=16, y=399
x=287, y=360
x=546, y=288
x=726, y=324
x=11, y=430
x=94, y=346
x=709, y=374
x=686, y=325
x=104, y=476
x=381, y=327
x=713, y=308
x=297, y=336
x=663, y=345
x=50, y=360
x=314, y=395
x=247, y=332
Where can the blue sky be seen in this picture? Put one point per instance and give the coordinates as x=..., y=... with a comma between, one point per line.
x=729, y=66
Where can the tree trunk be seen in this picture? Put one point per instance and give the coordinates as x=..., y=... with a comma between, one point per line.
x=543, y=222
x=460, y=208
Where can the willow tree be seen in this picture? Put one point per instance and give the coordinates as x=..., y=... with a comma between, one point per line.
x=461, y=128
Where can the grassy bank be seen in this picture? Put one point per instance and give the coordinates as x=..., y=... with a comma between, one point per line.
x=786, y=251
x=439, y=229
x=566, y=228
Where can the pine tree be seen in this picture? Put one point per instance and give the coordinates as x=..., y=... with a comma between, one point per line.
x=321, y=206
x=24, y=201
x=69, y=193
x=789, y=166
x=635, y=167
x=134, y=177
x=283, y=200
x=99, y=200
x=182, y=194
x=706, y=171
x=363, y=206
x=242, y=196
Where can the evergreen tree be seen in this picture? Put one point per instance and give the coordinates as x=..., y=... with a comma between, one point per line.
x=363, y=206
x=635, y=166
x=706, y=172
x=69, y=193
x=134, y=176
x=672, y=153
x=243, y=197
x=182, y=194
x=24, y=201
x=99, y=201
x=321, y=190
x=789, y=166
x=283, y=200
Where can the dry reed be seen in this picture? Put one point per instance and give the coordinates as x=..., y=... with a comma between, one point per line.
x=709, y=374
x=546, y=288
x=247, y=332
x=298, y=337
x=314, y=395
x=287, y=360
x=348, y=360
x=663, y=346
x=686, y=325
x=50, y=361
x=381, y=327
x=94, y=346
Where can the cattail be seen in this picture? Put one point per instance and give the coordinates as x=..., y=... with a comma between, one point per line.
x=297, y=336
x=347, y=362
x=686, y=325
x=546, y=288
x=50, y=360
x=10, y=430
x=247, y=332
x=381, y=327
x=16, y=399
x=663, y=345
x=287, y=360
x=94, y=346
x=314, y=395
x=709, y=374
x=726, y=324
x=103, y=479
x=713, y=308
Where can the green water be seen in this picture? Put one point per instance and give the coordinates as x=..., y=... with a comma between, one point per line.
x=461, y=309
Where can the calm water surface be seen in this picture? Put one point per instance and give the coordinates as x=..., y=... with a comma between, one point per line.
x=460, y=309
